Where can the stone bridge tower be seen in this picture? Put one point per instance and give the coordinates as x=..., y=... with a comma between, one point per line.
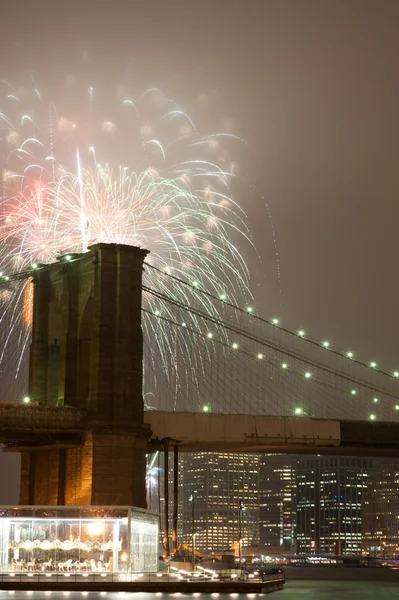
x=87, y=353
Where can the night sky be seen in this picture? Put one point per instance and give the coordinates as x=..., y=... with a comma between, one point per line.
x=313, y=87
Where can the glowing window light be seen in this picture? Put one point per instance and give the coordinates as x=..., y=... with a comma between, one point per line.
x=260, y=356
x=326, y=344
x=206, y=408
x=349, y=354
x=235, y=346
x=284, y=366
x=299, y=411
x=373, y=365
x=308, y=375
x=301, y=333
x=372, y=417
x=96, y=528
x=275, y=321
x=209, y=335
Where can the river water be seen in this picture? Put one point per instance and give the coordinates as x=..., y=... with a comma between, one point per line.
x=294, y=590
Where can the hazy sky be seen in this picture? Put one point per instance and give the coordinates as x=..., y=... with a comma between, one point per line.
x=313, y=86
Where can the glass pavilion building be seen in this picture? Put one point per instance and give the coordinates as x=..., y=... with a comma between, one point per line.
x=78, y=539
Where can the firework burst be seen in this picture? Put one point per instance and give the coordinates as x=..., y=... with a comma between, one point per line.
x=122, y=171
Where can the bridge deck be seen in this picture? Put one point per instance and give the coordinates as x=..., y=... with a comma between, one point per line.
x=198, y=432
x=30, y=427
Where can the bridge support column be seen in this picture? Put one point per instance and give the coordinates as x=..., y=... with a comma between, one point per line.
x=175, y=496
x=87, y=353
x=166, y=500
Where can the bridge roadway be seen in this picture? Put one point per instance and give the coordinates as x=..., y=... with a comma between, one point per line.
x=207, y=432
x=32, y=427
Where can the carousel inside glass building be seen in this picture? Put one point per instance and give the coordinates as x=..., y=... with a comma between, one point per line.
x=78, y=539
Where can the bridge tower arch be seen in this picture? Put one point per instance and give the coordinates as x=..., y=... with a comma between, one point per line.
x=87, y=353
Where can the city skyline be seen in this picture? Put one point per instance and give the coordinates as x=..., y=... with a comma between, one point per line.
x=293, y=504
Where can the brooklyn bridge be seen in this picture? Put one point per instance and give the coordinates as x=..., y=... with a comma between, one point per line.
x=206, y=375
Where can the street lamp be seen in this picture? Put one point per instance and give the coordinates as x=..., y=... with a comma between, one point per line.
x=193, y=558
x=241, y=508
x=191, y=499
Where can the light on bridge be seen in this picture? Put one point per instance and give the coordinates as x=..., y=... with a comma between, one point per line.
x=373, y=365
x=275, y=321
x=397, y=407
x=284, y=366
x=326, y=344
x=353, y=392
x=299, y=411
x=209, y=335
x=250, y=309
x=68, y=257
x=349, y=354
x=235, y=346
x=372, y=417
x=260, y=356
x=157, y=312
x=222, y=297
x=375, y=400
x=301, y=333
x=206, y=408
x=308, y=375
x=396, y=374
x=26, y=400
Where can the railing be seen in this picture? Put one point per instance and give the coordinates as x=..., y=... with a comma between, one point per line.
x=44, y=418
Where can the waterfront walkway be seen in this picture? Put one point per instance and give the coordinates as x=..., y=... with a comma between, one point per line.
x=137, y=582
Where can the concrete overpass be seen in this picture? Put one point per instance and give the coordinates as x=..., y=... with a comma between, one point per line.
x=207, y=432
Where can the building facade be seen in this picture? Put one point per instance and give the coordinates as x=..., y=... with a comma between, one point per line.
x=219, y=485
x=381, y=509
x=277, y=501
x=329, y=504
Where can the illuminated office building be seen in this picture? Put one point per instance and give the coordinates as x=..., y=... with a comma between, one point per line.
x=219, y=482
x=381, y=509
x=329, y=504
x=277, y=501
